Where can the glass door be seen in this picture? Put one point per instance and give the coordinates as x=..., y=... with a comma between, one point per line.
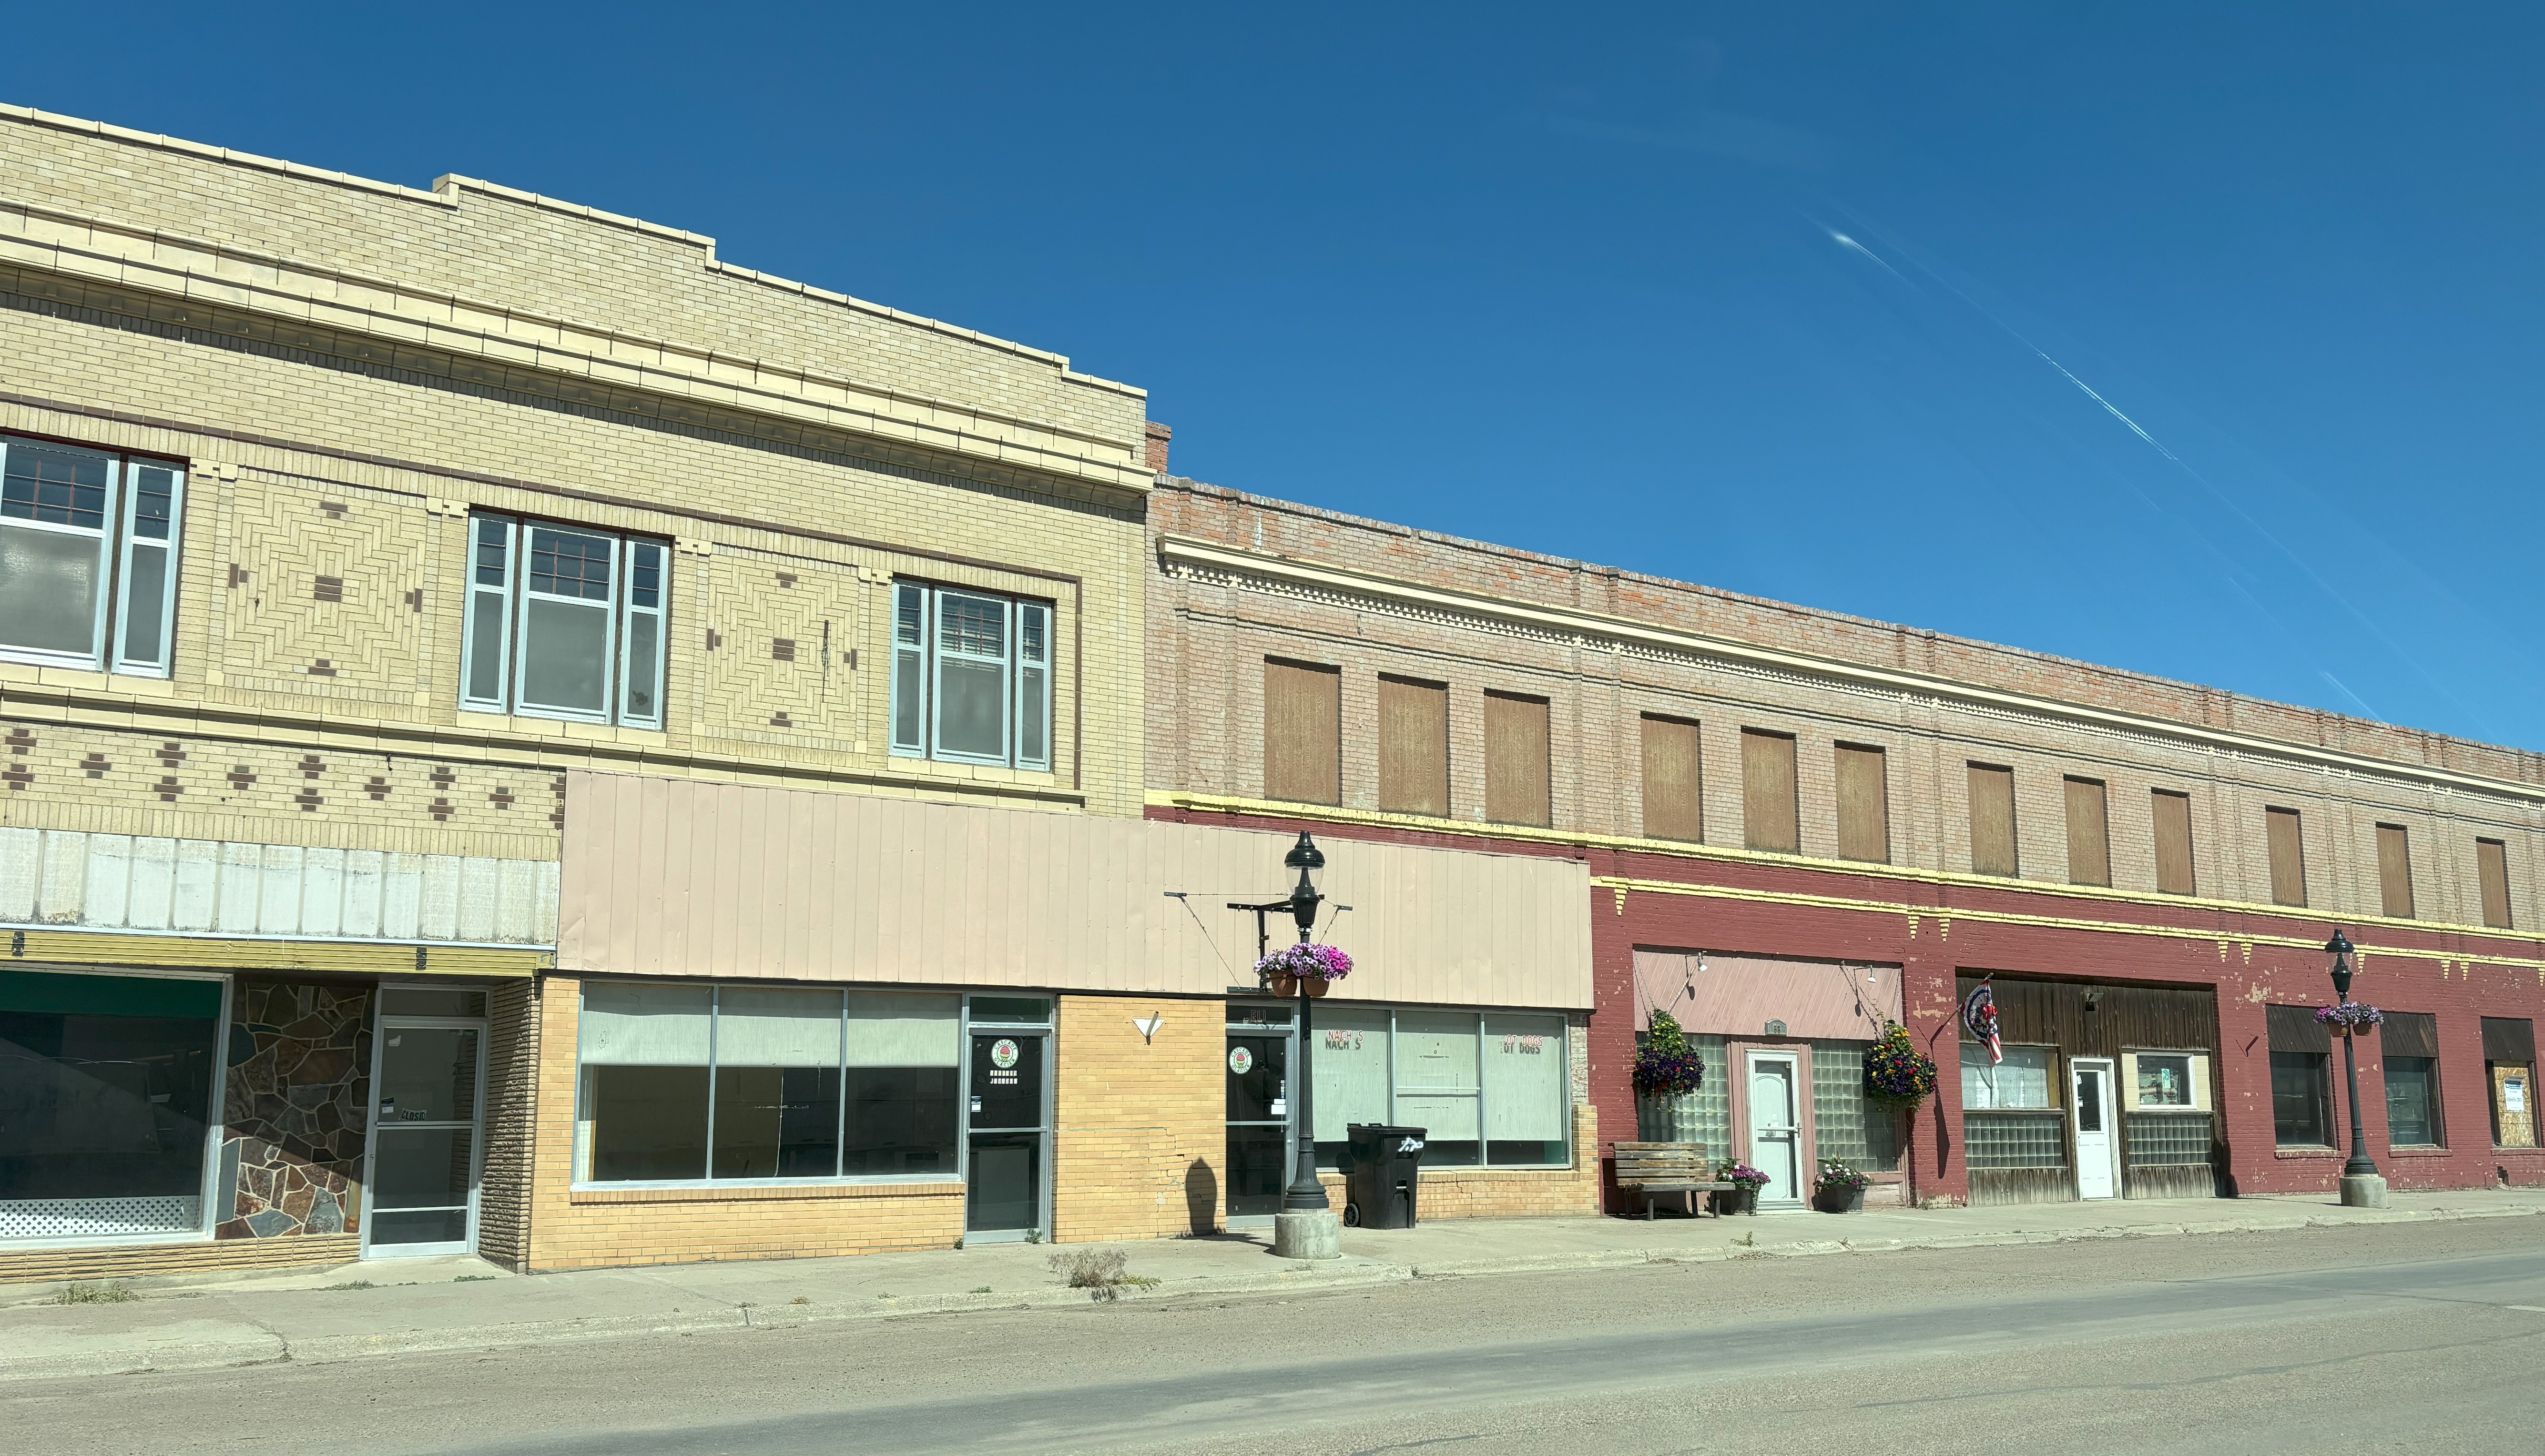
x=1011, y=1135
x=428, y=1082
x=1259, y=1148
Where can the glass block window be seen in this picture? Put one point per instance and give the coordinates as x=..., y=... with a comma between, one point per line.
x=971, y=677
x=2013, y=1140
x=564, y=622
x=88, y=557
x=2167, y=1139
x=1702, y=1116
x=1845, y=1125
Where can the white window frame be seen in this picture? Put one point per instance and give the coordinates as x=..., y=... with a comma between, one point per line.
x=512, y=595
x=1483, y=1089
x=109, y=624
x=1021, y=619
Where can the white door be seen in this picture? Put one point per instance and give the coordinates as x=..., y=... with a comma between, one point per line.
x=2092, y=1083
x=1775, y=1131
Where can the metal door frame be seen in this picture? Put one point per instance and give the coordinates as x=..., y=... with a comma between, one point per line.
x=1289, y=1037
x=1047, y=1174
x=383, y=1024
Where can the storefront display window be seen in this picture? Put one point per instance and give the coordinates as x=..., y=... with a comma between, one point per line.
x=107, y=1104
x=2010, y=1118
x=2022, y=1080
x=747, y=1084
x=2164, y=1080
x=1488, y=1088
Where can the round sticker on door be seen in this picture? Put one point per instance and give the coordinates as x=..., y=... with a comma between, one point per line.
x=1240, y=1060
x=1003, y=1053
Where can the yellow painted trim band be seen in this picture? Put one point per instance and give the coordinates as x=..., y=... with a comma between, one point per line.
x=198, y=953
x=1680, y=849
x=1944, y=916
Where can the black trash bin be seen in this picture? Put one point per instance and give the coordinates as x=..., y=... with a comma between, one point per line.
x=1380, y=1187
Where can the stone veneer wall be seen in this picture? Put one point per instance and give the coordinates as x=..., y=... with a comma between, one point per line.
x=296, y=1094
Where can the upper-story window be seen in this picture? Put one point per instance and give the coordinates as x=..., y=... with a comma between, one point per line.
x=971, y=677
x=88, y=557
x=564, y=622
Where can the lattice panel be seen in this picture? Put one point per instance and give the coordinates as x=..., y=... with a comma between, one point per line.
x=97, y=1218
x=331, y=592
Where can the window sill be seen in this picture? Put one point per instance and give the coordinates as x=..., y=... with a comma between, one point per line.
x=483, y=721
x=745, y=1192
x=2418, y=1150
x=2301, y=1155
x=2517, y=1152
x=972, y=772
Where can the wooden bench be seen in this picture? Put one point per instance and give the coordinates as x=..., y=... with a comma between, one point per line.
x=1647, y=1168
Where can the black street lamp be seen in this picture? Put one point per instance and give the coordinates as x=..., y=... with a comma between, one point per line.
x=1306, y=1194
x=2340, y=947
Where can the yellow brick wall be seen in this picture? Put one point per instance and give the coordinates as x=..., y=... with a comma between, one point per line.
x=600, y=1227
x=1141, y=1136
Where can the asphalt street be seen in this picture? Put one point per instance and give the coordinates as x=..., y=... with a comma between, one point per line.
x=2423, y=1337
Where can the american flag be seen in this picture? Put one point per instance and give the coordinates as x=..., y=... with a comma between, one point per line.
x=1979, y=1013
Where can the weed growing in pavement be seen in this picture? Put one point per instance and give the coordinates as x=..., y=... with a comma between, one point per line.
x=472, y=1279
x=356, y=1284
x=87, y=1293
x=1747, y=1240
x=1034, y=1236
x=981, y=1289
x=799, y=1298
x=1098, y=1271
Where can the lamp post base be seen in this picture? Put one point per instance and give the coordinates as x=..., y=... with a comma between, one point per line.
x=1317, y=1233
x=2364, y=1190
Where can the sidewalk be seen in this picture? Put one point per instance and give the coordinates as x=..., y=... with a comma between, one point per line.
x=410, y=1306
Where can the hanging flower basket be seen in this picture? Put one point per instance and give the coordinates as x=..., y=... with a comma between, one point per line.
x=2349, y=1019
x=1896, y=1072
x=1317, y=966
x=1664, y=1064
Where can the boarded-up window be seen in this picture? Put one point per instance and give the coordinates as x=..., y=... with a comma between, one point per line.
x=2288, y=857
x=1769, y=817
x=2509, y=1064
x=1302, y=732
x=1674, y=780
x=2172, y=814
x=1992, y=821
x=2492, y=867
x=1864, y=805
x=2089, y=834
x=1516, y=759
x=2395, y=871
x=1413, y=747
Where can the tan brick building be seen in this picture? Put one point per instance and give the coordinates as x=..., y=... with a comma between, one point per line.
x=374, y=561
x=1801, y=826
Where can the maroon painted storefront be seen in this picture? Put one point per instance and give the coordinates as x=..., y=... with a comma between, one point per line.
x=1940, y=931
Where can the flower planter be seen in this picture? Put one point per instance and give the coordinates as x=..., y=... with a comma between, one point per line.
x=1743, y=1199
x=1315, y=986
x=1286, y=986
x=1838, y=1198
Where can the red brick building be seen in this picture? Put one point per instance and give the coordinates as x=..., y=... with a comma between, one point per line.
x=1801, y=826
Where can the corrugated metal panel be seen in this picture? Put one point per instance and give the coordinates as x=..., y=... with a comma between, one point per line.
x=677, y=878
x=127, y=882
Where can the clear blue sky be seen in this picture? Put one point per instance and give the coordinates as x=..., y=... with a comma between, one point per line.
x=1572, y=280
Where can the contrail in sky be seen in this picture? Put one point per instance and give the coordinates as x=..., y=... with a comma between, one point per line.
x=2301, y=563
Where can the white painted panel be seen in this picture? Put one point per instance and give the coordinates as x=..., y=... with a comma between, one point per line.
x=197, y=902
x=62, y=893
x=278, y=911
x=154, y=884
x=110, y=880
x=401, y=897
x=363, y=885
x=478, y=884
x=21, y=858
x=437, y=915
x=543, y=924
x=516, y=900
x=322, y=892
x=242, y=866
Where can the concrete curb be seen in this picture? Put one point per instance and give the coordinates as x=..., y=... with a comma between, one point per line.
x=225, y=1340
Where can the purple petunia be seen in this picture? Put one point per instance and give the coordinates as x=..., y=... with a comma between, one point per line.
x=1306, y=962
